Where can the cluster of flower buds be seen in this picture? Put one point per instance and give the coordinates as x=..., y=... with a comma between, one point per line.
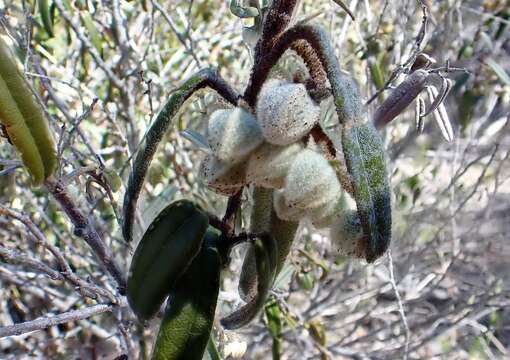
x=268, y=150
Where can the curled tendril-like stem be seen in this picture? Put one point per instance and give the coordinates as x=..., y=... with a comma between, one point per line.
x=316, y=85
x=202, y=79
x=347, y=100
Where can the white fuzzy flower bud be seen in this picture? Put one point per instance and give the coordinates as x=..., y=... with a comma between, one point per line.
x=269, y=164
x=311, y=190
x=344, y=203
x=223, y=178
x=347, y=235
x=286, y=212
x=285, y=112
x=233, y=134
x=311, y=181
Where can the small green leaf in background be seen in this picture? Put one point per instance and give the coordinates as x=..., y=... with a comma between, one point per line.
x=242, y=11
x=45, y=11
x=499, y=71
x=94, y=33
x=274, y=325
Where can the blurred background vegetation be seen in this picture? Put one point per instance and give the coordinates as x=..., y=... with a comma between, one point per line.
x=103, y=68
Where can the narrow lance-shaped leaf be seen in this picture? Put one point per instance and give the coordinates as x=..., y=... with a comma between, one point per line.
x=186, y=327
x=264, y=219
x=266, y=256
x=274, y=325
x=24, y=120
x=94, y=34
x=364, y=156
x=400, y=98
x=203, y=78
x=45, y=11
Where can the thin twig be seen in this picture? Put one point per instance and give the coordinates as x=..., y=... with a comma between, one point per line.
x=48, y=321
x=401, y=311
x=85, y=230
x=88, y=288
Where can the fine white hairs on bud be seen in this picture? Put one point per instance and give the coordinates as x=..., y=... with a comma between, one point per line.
x=311, y=181
x=223, y=178
x=346, y=235
x=286, y=212
x=344, y=203
x=233, y=134
x=311, y=189
x=285, y=112
x=269, y=164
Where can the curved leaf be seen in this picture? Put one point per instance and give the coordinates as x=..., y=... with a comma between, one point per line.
x=266, y=257
x=204, y=78
x=364, y=156
x=44, y=10
x=24, y=120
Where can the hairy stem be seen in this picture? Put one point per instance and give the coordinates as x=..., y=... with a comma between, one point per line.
x=347, y=100
x=204, y=78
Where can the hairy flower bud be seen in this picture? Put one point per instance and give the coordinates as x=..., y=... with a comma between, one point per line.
x=233, y=134
x=223, y=178
x=311, y=181
x=311, y=189
x=285, y=112
x=343, y=204
x=286, y=212
x=269, y=164
x=347, y=235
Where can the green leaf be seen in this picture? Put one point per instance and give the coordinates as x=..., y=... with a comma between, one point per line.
x=44, y=10
x=266, y=256
x=25, y=121
x=274, y=325
x=376, y=73
x=499, y=71
x=203, y=78
x=186, y=327
x=166, y=250
x=95, y=35
x=364, y=156
x=212, y=351
x=264, y=219
x=241, y=11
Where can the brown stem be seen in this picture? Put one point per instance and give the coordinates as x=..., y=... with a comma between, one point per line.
x=277, y=19
x=316, y=85
x=48, y=321
x=347, y=101
x=202, y=79
x=233, y=204
x=84, y=229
